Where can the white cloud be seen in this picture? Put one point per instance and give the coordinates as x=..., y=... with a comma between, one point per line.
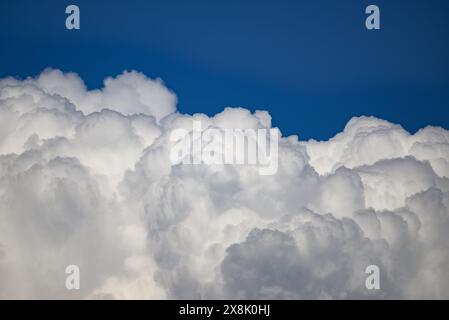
x=85, y=179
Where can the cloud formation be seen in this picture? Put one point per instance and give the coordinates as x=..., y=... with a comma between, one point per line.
x=85, y=179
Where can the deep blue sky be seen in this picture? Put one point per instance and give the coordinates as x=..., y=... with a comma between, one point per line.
x=312, y=64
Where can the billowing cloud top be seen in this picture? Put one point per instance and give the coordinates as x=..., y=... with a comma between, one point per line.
x=85, y=180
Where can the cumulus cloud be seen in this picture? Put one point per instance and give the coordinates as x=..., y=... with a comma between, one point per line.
x=85, y=179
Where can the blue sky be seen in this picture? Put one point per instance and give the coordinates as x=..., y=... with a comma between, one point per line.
x=311, y=64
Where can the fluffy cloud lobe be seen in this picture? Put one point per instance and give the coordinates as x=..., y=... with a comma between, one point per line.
x=85, y=179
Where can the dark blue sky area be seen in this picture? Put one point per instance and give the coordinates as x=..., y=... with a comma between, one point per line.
x=312, y=64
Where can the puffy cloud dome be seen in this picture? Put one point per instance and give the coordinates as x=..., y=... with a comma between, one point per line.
x=85, y=179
